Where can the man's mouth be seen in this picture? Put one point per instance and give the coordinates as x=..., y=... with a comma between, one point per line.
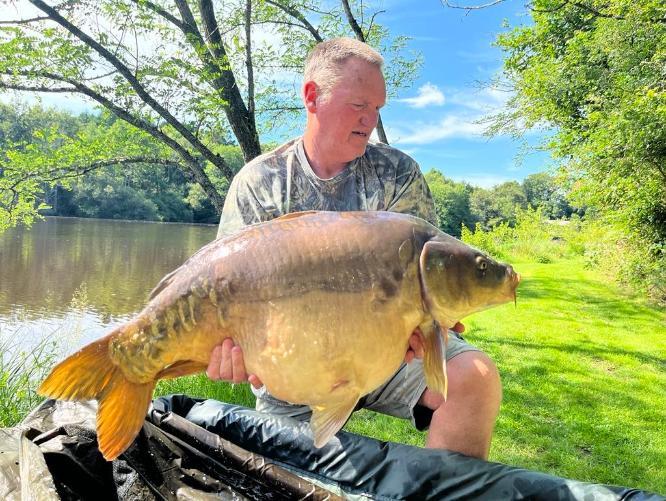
x=359, y=133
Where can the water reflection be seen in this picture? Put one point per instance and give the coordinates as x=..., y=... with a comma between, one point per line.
x=69, y=276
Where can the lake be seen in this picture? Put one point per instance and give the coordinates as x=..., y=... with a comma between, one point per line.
x=73, y=279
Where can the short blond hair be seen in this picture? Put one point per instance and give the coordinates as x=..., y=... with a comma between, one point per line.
x=325, y=62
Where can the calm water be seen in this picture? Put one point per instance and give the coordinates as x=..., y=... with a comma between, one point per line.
x=72, y=279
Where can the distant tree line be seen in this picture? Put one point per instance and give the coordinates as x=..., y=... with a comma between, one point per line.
x=459, y=203
x=111, y=190
x=163, y=192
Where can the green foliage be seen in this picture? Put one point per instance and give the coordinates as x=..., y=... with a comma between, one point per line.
x=533, y=237
x=594, y=72
x=78, y=154
x=498, y=204
x=452, y=202
x=543, y=190
x=103, y=197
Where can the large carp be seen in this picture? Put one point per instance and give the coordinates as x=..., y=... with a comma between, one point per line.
x=322, y=304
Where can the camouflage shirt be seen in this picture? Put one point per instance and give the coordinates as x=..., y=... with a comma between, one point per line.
x=282, y=181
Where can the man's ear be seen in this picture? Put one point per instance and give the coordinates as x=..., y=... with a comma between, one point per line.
x=310, y=94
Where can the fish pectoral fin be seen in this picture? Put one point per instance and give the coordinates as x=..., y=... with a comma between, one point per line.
x=181, y=368
x=327, y=420
x=434, y=357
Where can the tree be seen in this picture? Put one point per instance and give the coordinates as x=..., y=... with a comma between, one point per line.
x=452, y=202
x=542, y=190
x=167, y=72
x=498, y=204
x=593, y=71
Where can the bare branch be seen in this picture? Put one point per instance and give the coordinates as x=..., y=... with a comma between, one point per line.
x=234, y=26
x=30, y=88
x=298, y=16
x=97, y=77
x=26, y=21
x=352, y=21
x=281, y=108
x=163, y=13
x=372, y=20
x=72, y=171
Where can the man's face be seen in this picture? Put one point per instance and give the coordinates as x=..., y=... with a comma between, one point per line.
x=348, y=114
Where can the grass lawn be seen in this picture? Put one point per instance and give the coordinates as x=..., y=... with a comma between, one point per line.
x=584, y=373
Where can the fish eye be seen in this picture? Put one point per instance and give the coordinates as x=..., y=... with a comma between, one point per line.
x=482, y=263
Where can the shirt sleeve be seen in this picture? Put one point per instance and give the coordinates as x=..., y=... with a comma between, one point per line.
x=241, y=208
x=412, y=195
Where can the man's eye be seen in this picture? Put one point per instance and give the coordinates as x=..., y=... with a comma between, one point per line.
x=358, y=106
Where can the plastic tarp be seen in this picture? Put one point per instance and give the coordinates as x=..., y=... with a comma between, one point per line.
x=205, y=449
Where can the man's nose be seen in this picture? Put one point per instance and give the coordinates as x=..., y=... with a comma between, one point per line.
x=370, y=118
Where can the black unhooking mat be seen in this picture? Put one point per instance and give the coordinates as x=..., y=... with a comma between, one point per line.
x=205, y=449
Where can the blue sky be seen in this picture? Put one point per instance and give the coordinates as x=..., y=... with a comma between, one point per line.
x=458, y=54
x=434, y=119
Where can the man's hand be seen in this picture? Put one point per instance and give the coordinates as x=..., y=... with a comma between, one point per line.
x=226, y=364
x=415, y=349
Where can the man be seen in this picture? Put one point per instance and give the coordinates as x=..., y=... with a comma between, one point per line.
x=332, y=167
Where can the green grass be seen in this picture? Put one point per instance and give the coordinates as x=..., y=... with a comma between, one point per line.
x=583, y=367
x=20, y=373
x=584, y=374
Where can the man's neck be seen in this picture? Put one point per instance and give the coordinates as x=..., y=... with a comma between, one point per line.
x=321, y=166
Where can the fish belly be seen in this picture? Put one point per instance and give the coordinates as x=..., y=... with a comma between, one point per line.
x=315, y=347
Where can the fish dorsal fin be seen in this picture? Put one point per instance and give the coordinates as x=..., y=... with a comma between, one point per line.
x=327, y=420
x=164, y=283
x=294, y=215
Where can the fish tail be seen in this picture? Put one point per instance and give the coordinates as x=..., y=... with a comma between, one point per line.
x=90, y=374
x=434, y=358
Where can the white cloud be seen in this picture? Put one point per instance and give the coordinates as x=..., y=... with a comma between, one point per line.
x=428, y=94
x=486, y=100
x=449, y=126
